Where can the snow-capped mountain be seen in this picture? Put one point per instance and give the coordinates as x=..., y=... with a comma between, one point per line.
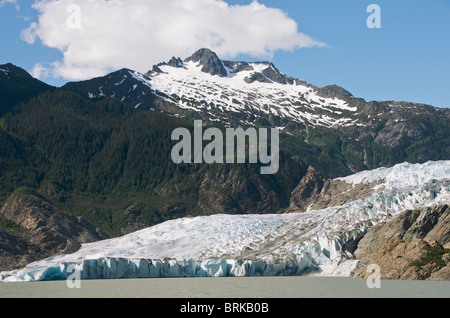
x=105, y=144
x=202, y=82
x=317, y=241
x=245, y=88
x=314, y=121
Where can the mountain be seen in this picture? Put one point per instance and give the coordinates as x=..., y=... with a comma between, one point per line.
x=16, y=86
x=322, y=242
x=204, y=83
x=100, y=151
x=110, y=163
x=122, y=84
x=327, y=127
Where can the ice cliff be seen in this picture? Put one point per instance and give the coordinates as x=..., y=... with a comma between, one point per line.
x=319, y=242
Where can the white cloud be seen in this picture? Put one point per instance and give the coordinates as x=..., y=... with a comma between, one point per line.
x=40, y=71
x=97, y=36
x=3, y=2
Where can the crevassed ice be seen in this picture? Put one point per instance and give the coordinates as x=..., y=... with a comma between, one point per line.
x=404, y=174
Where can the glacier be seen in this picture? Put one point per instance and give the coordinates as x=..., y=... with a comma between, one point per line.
x=311, y=243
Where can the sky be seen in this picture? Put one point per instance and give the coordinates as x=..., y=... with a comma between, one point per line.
x=398, y=51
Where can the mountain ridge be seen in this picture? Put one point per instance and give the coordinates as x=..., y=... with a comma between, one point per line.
x=363, y=135
x=314, y=121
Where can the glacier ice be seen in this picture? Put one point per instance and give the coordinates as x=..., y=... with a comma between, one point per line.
x=253, y=245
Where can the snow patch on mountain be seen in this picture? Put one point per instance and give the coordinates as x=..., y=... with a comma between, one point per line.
x=254, y=245
x=191, y=88
x=223, y=89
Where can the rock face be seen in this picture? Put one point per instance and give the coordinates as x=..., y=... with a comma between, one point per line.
x=210, y=62
x=333, y=91
x=315, y=192
x=45, y=230
x=312, y=187
x=399, y=244
x=240, y=190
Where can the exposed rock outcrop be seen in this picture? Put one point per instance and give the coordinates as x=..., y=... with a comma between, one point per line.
x=399, y=247
x=233, y=189
x=333, y=91
x=316, y=192
x=240, y=189
x=209, y=61
x=46, y=230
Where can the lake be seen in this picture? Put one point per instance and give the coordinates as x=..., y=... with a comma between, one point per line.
x=239, y=287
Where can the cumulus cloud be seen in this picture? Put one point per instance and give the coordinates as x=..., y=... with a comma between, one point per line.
x=97, y=36
x=40, y=71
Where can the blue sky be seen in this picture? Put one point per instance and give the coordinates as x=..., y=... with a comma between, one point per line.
x=407, y=59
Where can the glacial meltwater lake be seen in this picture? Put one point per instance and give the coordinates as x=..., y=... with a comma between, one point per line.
x=239, y=287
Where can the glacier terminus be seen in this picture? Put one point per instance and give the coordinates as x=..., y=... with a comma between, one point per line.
x=315, y=242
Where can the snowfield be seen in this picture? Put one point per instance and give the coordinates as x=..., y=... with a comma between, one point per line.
x=253, y=245
x=190, y=88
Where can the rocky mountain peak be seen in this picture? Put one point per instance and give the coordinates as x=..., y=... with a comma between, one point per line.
x=209, y=61
x=173, y=62
x=333, y=91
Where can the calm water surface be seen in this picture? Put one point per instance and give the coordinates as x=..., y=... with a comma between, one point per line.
x=246, y=287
